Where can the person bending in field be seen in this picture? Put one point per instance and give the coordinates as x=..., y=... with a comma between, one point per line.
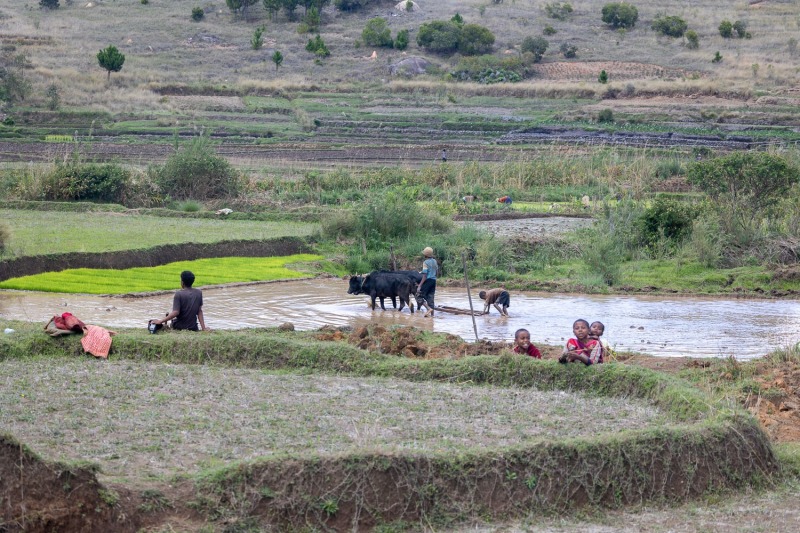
x=187, y=306
x=596, y=331
x=522, y=344
x=499, y=298
x=582, y=348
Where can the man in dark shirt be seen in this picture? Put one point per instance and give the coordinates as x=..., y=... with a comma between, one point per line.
x=187, y=306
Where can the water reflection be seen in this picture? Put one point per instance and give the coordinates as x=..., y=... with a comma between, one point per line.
x=702, y=327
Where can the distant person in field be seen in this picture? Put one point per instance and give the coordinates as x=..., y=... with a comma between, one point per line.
x=499, y=298
x=187, y=306
x=444, y=155
x=522, y=344
x=505, y=200
x=581, y=348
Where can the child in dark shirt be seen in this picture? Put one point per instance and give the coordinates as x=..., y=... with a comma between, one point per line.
x=522, y=344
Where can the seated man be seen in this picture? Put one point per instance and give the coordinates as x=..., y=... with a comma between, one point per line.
x=187, y=306
x=498, y=297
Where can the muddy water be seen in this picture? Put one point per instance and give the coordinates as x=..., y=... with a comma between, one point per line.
x=701, y=327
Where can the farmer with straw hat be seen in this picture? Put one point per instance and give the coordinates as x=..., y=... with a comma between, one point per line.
x=427, y=286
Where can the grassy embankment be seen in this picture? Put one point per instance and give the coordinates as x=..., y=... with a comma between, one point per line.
x=707, y=446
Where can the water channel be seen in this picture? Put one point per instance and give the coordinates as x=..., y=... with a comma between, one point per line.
x=662, y=326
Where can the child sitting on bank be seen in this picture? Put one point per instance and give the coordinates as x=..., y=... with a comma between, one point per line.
x=499, y=298
x=582, y=348
x=522, y=344
x=596, y=331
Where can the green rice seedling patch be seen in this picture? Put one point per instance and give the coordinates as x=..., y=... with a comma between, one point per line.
x=209, y=272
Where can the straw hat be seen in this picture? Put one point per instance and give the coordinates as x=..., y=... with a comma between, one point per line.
x=428, y=252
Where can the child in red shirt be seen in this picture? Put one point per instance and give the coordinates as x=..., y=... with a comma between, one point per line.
x=522, y=344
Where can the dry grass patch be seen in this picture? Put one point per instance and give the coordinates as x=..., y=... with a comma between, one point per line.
x=153, y=420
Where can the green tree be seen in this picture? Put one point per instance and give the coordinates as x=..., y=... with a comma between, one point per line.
x=536, y=46
x=744, y=184
x=603, y=77
x=726, y=29
x=257, y=40
x=457, y=18
x=198, y=14
x=717, y=57
x=475, y=39
x=13, y=85
x=317, y=47
x=48, y=4
x=377, y=33
x=239, y=7
x=111, y=59
x=569, y=50
x=277, y=58
x=401, y=41
x=439, y=36
x=53, y=97
x=311, y=20
x=740, y=27
x=272, y=7
x=620, y=15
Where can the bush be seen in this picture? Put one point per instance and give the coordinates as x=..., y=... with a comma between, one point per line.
x=536, y=46
x=317, y=47
x=401, y=41
x=671, y=26
x=489, y=69
x=350, y=5
x=569, y=50
x=602, y=257
x=745, y=185
x=717, y=57
x=603, y=77
x=666, y=223
x=549, y=30
x=48, y=4
x=726, y=29
x=474, y=40
x=197, y=172
x=740, y=27
x=198, y=14
x=377, y=33
x=76, y=180
x=605, y=115
x=692, y=40
x=439, y=36
x=558, y=10
x=620, y=15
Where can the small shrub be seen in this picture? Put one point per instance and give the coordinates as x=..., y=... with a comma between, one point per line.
x=277, y=58
x=377, y=33
x=558, y=10
x=707, y=241
x=726, y=29
x=549, y=30
x=488, y=69
x=671, y=26
x=144, y=2
x=666, y=223
x=603, y=77
x=197, y=172
x=317, y=47
x=692, y=40
x=458, y=19
x=53, y=97
x=620, y=15
x=257, y=40
x=536, y=46
x=569, y=50
x=190, y=206
x=76, y=180
x=48, y=4
x=717, y=57
x=311, y=21
x=198, y=14
x=740, y=27
x=605, y=115
x=401, y=41
x=603, y=258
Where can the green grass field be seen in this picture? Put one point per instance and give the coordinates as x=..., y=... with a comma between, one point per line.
x=210, y=272
x=51, y=232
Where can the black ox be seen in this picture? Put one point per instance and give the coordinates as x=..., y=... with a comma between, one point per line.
x=387, y=284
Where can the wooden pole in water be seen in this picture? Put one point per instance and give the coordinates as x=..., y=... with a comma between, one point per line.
x=469, y=295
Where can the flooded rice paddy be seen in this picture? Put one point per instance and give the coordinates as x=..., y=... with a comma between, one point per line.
x=662, y=326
